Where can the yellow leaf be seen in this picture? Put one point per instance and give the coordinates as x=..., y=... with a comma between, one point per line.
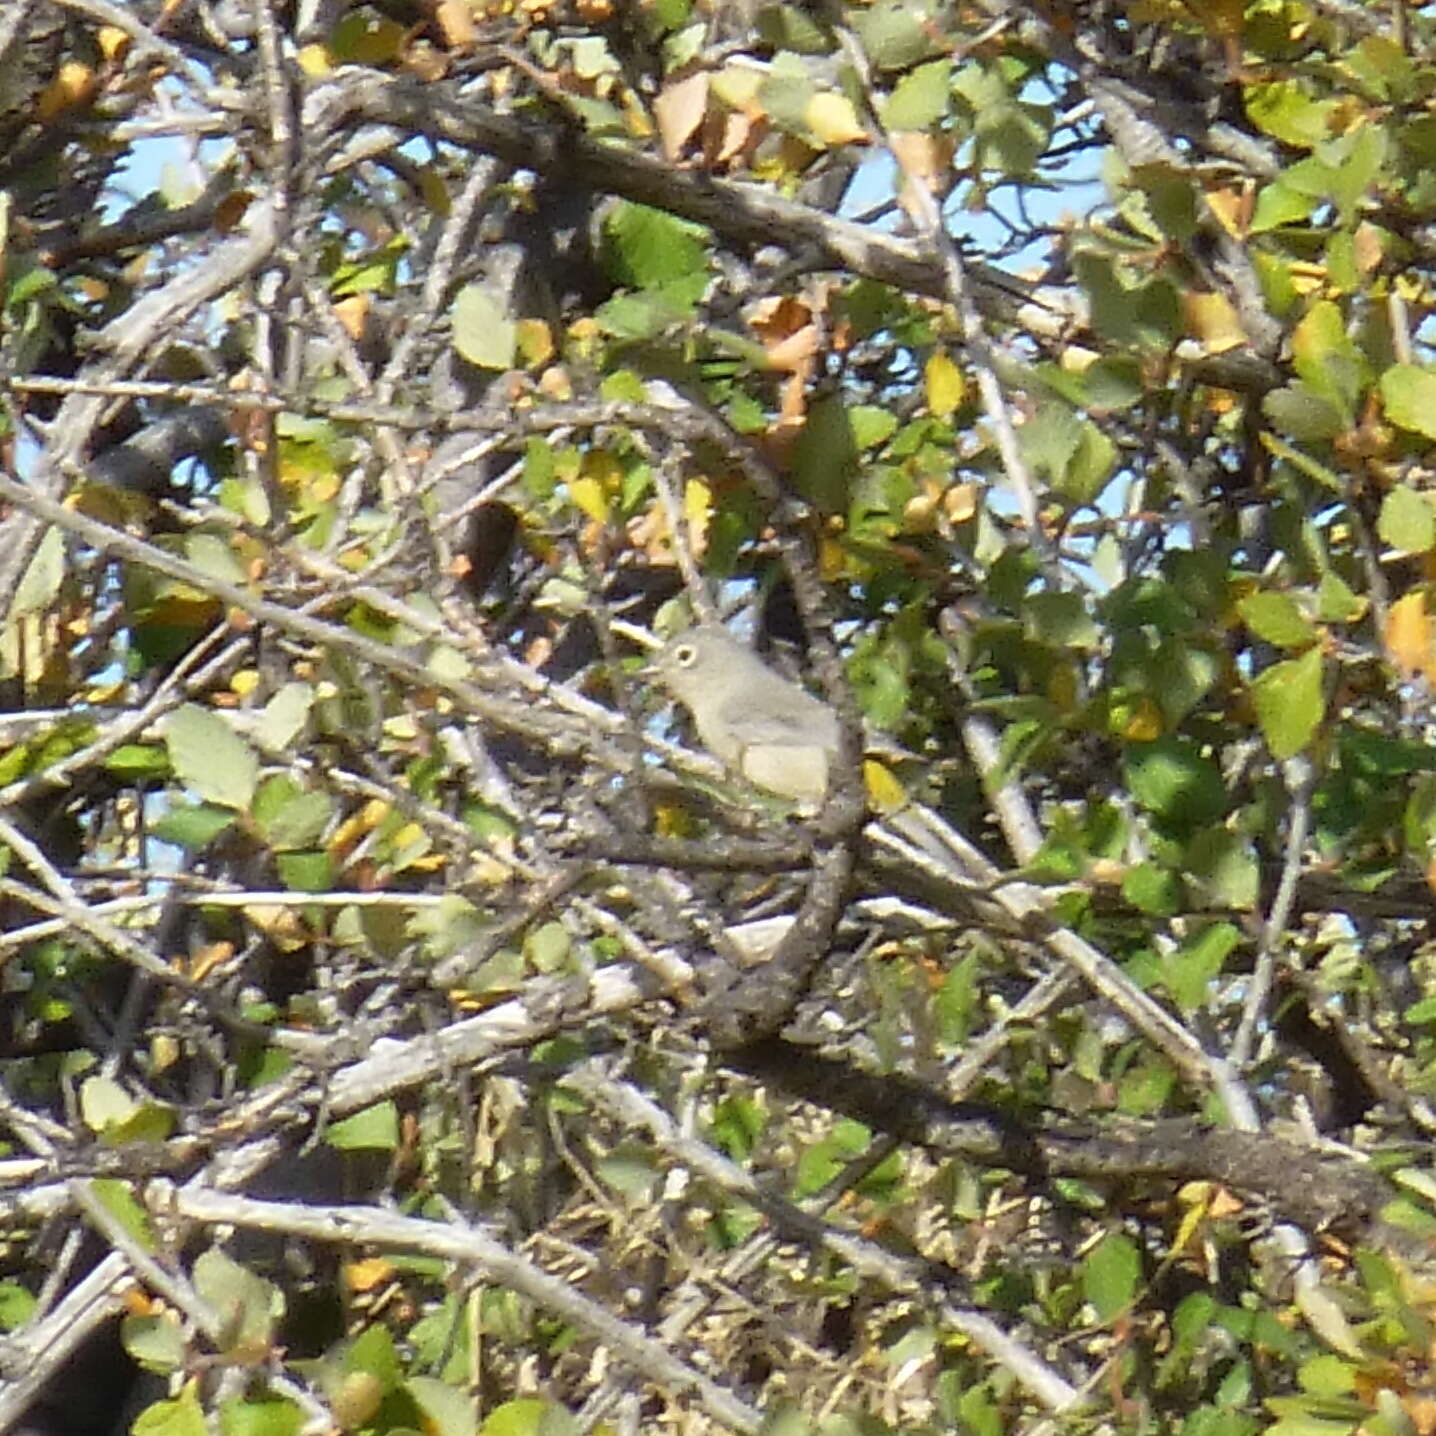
x=534, y=340
x=833, y=120
x=1139, y=720
x=944, y=384
x=697, y=511
x=832, y=559
x=315, y=62
x=885, y=793
x=737, y=86
x=589, y=498
x=672, y=820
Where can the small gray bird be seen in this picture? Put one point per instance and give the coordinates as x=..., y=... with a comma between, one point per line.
x=776, y=734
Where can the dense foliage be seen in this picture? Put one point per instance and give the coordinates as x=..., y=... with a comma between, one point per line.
x=403, y=1026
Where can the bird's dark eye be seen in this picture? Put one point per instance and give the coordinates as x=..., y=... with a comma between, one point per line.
x=685, y=655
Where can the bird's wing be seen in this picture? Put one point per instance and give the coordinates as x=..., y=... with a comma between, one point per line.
x=809, y=727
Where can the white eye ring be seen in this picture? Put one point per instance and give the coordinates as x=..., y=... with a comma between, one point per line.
x=685, y=655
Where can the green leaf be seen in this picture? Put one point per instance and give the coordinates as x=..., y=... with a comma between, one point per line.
x=447, y=1410
x=1223, y=868
x=825, y=456
x=1284, y=110
x=645, y=315
x=1289, y=703
x=120, y=1201
x=1110, y=1273
x=41, y=581
x=549, y=947
x=1171, y=779
x=289, y=817
x=1279, y=203
x=921, y=98
x=1407, y=521
x=1060, y=619
x=249, y=1307
x=895, y=34
x=210, y=758
x=1090, y=468
x=1152, y=889
x=138, y=760
x=871, y=425
x=374, y=1129
x=484, y=330
x=260, y=1416
x=214, y=557
x=156, y=1342
x=1409, y=393
x=530, y=1416
x=306, y=872
x=192, y=826
x=1327, y=359
x=1327, y=1375
x=1191, y=969
x=738, y=1123
x=648, y=247
x=1336, y=602
x=180, y=1417
x=17, y=1305
x=1276, y=618
x=282, y=719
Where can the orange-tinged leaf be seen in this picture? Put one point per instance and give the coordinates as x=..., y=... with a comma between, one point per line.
x=788, y=333
x=728, y=134
x=367, y=1274
x=1212, y=319
x=114, y=43
x=833, y=120
x=456, y=23
x=943, y=383
x=209, y=957
x=960, y=502
x=425, y=61
x=556, y=383
x=1407, y=636
x=679, y=108
x=353, y=314
x=1232, y=209
x=919, y=514
x=74, y=84
x=231, y=209
x=925, y=159
x=1367, y=246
